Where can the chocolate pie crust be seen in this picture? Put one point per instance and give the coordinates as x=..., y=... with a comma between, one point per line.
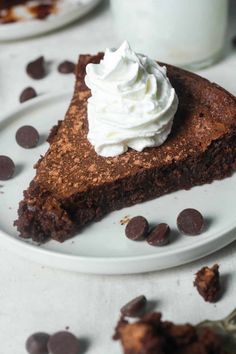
x=74, y=186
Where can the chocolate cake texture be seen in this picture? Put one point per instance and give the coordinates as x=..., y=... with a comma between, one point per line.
x=74, y=186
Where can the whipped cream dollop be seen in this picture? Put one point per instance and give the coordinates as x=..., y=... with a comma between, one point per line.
x=132, y=102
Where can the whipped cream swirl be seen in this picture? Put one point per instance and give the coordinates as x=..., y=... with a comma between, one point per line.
x=132, y=102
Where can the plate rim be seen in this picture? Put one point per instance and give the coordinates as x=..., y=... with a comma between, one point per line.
x=99, y=265
x=218, y=240
x=15, y=31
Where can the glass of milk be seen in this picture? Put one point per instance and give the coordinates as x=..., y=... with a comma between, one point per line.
x=187, y=33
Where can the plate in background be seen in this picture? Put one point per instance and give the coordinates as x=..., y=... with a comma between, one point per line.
x=67, y=12
x=102, y=247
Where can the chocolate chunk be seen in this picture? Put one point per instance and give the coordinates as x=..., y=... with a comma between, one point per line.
x=37, y=343
x=36, y=69
x=137, y=228
x=207, y=282
x=27, y=94
x=66, y=67
x=135, y=307
x=27, y=137
x=190, y=222
x=151, y=335
x=63, y=343
x=7, y=168
x=159, y=236
x=43, y=9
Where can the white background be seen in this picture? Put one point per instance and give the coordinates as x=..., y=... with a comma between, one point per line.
x=34, y=297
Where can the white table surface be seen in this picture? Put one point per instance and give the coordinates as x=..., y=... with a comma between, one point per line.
x=37, y=298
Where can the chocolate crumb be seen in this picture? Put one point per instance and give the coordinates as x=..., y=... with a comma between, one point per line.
x=207, y=282
x=125, y=220
x=42, y=11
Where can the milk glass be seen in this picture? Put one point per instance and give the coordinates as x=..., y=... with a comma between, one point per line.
x=188, y=33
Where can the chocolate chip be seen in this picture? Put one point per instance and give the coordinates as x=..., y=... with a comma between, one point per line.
x=7, y=168
x=63, y=343
x=36, y=69
x=190, y=222
x=66, y=67
x=27, y=137
x=134, y=307
x=27, y=94
x=159, y=236
x=137, y=228
x=37, y=343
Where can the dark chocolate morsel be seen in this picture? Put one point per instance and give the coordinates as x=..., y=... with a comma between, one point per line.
x=7, y=168
x=37, y=343
x=159, y=235
x=137, y=228
x=27, y=94
x=66, y=67
x=63, y=342
x=190, y=222
x=36, y=69
x=27, y=137
x=134, y=307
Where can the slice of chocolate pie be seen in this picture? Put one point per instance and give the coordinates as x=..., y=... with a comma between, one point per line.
x=74, y=185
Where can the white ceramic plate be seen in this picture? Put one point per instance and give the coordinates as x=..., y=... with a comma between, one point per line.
x=68, y=11
x=102, y=247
